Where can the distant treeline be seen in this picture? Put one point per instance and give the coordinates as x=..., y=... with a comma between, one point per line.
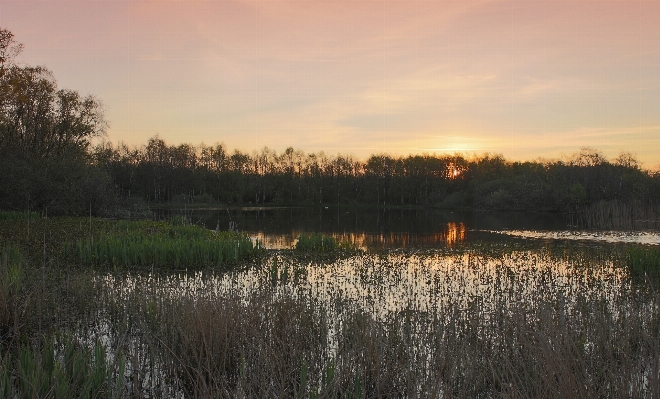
x=48, y=164
x=162, y=173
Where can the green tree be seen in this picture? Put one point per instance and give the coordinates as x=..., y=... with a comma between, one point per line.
x=45, y=137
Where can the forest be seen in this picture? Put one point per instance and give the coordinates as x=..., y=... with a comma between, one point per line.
x=55, y=159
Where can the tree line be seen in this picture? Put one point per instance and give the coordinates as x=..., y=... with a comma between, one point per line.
x=158, y=172
x=49, y=164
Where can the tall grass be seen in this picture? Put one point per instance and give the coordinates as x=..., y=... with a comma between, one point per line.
x=318, y=242
x=644, y=261
x=12, y=308
x=533, y=332
x=13, y=215
x=500, y=322
x=61, y=369
x=619, y=215
x=174, y=247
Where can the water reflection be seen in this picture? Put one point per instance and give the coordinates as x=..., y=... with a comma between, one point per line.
x=384, y=285
x=278, y=228
x=452, y=233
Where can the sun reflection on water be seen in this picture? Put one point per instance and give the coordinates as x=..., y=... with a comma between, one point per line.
x=453, y=233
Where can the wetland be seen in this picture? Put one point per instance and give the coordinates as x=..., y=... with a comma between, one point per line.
x=398, y=303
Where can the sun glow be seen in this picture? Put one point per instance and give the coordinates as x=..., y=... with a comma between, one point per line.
x=454, y=171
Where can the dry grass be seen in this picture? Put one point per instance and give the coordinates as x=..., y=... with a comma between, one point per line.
x=480, y=321
x=272, y=341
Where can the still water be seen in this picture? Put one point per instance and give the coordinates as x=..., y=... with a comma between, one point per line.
x=453, y=278
x=279, y=228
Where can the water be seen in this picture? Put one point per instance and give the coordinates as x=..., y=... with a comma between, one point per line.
x=367, y=228
x=448, y=288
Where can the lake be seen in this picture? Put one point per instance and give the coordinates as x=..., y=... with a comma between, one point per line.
x=368, y=228
x=441, y=305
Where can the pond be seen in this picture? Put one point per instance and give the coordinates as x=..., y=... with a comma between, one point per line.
x=372, y=228
x=441, y=305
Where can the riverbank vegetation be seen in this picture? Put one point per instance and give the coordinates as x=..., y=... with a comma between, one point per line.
x=483, y=319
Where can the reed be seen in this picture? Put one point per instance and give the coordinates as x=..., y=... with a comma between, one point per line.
x=279, y=340
x=319, y=242
x=174, y=247
x=479, y=320
x=61, y=368
x=619, y=215
x=644, y=261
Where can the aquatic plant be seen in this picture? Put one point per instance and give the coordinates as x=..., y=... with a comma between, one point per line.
x=178, y=247
x=514, y=318
x=11, y=307
x=62, y=368
x=644, y=261
x=318, y=242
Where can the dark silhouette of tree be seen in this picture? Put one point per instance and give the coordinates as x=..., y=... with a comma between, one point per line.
x=45, y=137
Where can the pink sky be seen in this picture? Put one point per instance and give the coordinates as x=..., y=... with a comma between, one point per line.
x=525, y=79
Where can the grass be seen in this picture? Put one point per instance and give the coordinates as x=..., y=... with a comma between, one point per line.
x=479, y=320
x=127, y=244
x=318, y=242
x=281, y=341
x=177, y=247
x=619, y=215
x=13, y=215
x=644, y=261
x=62, y=369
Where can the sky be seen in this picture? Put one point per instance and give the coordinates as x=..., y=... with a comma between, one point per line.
x=525, y=79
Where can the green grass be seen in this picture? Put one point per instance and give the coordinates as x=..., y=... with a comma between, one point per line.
x=161, y=245
x=644, y=261
x=12, y=215
x=62, y=369
x=318, y=242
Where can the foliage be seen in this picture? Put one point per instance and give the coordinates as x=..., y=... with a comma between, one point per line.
x=159, y=172
x=644, y=261
x=152, y=244
x=316, y=242
x=319, y=242
x=45, y=136
x=63, y=370
x=12, y=309
x=13, y=215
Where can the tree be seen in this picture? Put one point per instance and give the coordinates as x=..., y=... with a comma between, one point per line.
x=45, y=137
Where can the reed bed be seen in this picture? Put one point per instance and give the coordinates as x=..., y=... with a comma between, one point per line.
x=316, y=243
x=61, y=369
x=554, y=323
x=176, y=247
x=644, y=261
x=494, y=319
x=322, y=243
x=14, y=215
x=619, y=215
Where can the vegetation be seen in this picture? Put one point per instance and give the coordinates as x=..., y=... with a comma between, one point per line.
x=180, y=247
x=316, y=242
x=50, y=166
x=644, y=261
x=62, y=371
x=102, y=308
x=162, y=173
x=45, y=142
x=481, y=320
